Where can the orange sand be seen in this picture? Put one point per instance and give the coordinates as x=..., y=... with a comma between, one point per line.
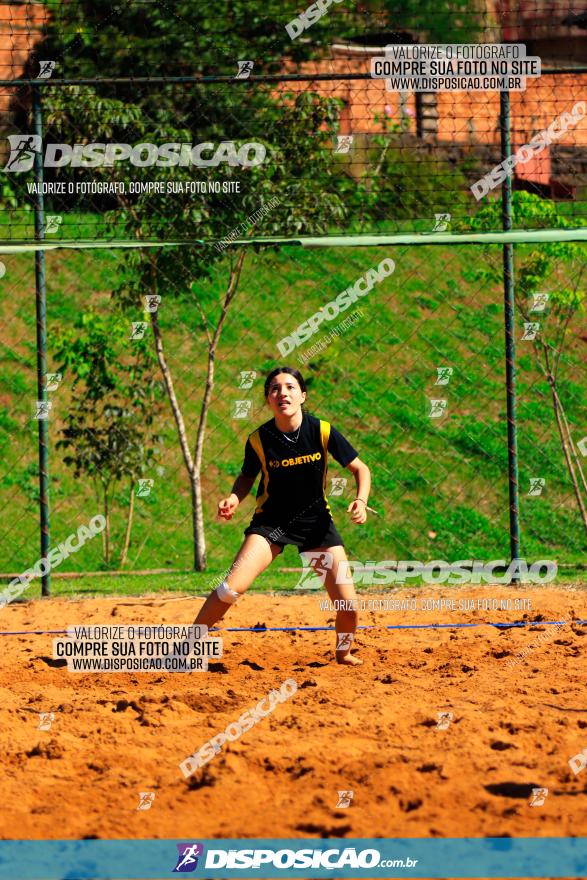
x=372, y=730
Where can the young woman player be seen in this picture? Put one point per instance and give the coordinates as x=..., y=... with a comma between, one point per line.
x=291, y=451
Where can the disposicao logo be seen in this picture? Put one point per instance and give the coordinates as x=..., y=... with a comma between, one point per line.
x=23, y=148
x=327, y=859
x=361, y=287
x=187, y=859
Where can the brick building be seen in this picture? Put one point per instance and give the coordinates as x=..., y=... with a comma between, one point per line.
x=469, y=120
x=20, y=31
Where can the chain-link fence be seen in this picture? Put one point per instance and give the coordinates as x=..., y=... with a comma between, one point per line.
x=184, y=209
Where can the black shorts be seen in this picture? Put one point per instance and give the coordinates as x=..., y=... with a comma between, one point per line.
x=307, y=535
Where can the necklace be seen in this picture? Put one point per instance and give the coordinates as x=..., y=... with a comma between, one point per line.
x=292, y=439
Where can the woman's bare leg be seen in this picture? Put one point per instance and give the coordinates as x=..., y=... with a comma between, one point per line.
x=255, y=554
x=346, y=618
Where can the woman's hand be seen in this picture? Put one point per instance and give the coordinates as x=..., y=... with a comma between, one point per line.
x=227, y=507
x=358, y=511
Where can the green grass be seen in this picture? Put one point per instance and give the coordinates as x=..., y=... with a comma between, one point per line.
x=199, y=584
x=440, y=485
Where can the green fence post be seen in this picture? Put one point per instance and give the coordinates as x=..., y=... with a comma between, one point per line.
x=41, y=308
x=510, y=333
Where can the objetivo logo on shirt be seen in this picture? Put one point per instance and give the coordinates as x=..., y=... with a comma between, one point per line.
x=291, y=462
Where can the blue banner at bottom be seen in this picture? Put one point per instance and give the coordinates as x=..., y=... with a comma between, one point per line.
x=305, y=859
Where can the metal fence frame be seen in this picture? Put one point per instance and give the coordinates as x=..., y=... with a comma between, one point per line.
x=40, y=293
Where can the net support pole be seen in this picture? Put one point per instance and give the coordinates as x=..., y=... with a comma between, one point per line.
x=510, y=331
x=41, y=315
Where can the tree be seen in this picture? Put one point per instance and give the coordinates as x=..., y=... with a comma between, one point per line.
x=266, y=207
x=448, y=21
x=148, y=39
x=535, y=263
x=141, y=39
x=109, y=434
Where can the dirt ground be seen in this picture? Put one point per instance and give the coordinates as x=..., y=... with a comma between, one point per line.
x=373, y=730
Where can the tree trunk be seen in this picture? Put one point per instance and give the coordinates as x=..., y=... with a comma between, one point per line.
x=107, y=527
x=197, y=507
x=177, y=415
x=194, y=465
x=131, y=507
x=99, y=490
x=572, y=448
x=196, y=503
x=198, y=524
x=565, y=445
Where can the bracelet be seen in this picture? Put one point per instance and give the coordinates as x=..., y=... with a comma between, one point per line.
x=360, y=499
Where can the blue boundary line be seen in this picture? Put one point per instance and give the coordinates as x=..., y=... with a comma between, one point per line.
x=59, y=632
x=406, y=626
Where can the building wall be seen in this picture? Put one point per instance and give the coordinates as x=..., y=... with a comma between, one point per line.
x=463, y=117
x=20, y=31
x=527, y=21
